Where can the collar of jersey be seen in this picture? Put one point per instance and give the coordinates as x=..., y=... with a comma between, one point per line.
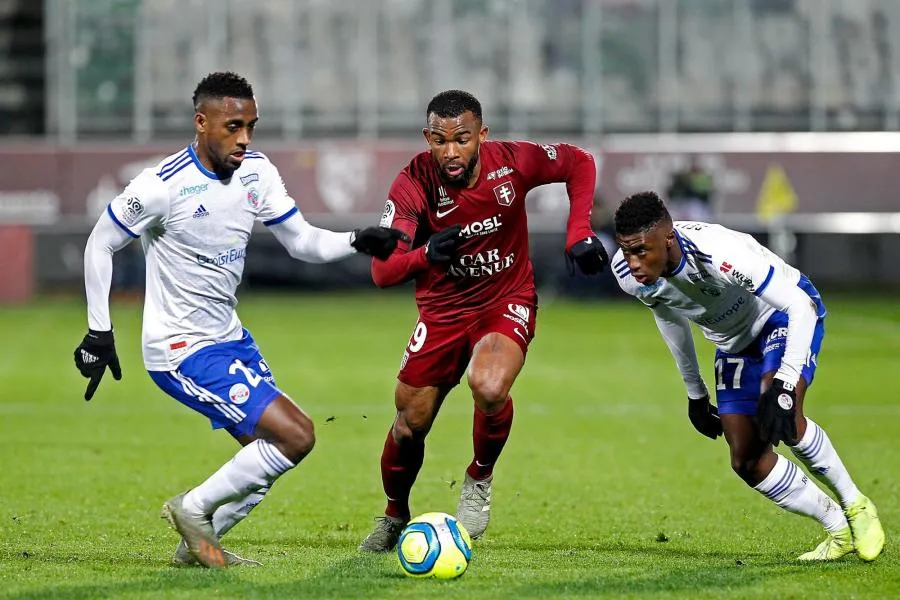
x=199, y=164
x=683, y=255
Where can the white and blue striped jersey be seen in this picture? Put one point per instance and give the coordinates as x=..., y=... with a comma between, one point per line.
x=729, y=285
x=194, y=229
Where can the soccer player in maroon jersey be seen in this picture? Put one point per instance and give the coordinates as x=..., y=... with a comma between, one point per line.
x=463, y=205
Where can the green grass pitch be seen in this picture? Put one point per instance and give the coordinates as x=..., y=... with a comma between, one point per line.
x=604, y=489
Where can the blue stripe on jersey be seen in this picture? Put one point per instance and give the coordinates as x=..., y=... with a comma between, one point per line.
x=683, y=260
x=766, y=281
x=116, y=220
x=693, y=249
x=624, y=261
x=171, y=174
x=200, y=166
x=254, y=156
x=283, y=217
x=806, y=285
x=172, y=162
x=169, y=171
x=704, y=258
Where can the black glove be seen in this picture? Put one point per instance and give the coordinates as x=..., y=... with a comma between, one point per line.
x=379, y=242
x=776, y=412
x=441, y=247
x=704, y=417
x=590, y=256
x=95, y=352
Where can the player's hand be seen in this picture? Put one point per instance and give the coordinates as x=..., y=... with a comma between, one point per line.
x=776, y=413
x=96, y=352
x=590, y=255
x=704, y=417
x=379, y=242
x=441, y=247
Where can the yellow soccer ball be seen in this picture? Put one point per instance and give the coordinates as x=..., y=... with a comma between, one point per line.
x=434, y=545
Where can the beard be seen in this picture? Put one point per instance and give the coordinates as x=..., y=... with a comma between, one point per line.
x=463, y=178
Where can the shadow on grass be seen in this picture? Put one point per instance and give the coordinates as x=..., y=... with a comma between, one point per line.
x=535, y=570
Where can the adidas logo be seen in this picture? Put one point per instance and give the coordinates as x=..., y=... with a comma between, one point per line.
x=200, y=212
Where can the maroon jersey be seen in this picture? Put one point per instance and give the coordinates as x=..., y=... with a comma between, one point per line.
x=492, y=262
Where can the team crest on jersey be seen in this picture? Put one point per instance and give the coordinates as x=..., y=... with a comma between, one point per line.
x=505, y=193
x=711, y=291
x=253, y=197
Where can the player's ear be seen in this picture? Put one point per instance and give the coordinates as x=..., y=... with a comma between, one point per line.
x=427, y=135
x=670, y=239
x=482, y=135
x=200, y=122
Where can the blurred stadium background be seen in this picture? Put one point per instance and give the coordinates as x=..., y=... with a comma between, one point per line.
x=777, y=117
x=791, y=108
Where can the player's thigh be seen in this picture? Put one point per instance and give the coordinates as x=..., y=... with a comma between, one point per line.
x=500, y=339
x=436, y=355
x=773, y=353
x=738, y=378
x=222, y=383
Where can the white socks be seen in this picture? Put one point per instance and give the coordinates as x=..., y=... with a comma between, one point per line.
x=256, y=466
x=229, y=515
x=788, y=487
x=819, y=456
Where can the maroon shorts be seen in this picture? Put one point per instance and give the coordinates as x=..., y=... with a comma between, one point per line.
x=439, y=352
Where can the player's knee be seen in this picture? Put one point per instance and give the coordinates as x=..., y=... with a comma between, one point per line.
x=745, y=468
x=410, y=425
x=300, y=439
x=490, y=392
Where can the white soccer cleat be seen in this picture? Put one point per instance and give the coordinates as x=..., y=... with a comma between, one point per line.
x=197, y=532
x=474, y=510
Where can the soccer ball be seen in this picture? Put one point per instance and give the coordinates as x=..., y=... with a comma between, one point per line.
x=434, y=545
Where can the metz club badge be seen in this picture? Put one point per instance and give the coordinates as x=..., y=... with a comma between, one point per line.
x=505, y=193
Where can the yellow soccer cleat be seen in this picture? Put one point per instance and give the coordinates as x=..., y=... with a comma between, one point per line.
x=835, y=546
x=868, y=535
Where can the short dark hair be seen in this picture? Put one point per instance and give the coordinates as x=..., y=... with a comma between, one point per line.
x=221, y=84
x=453, y=103
x=640, y=212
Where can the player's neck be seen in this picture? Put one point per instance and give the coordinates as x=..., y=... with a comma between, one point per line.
x=673, y=260
x=205, y=160
x=473, y=180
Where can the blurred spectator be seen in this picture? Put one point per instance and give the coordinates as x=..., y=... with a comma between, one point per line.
x=690, y=194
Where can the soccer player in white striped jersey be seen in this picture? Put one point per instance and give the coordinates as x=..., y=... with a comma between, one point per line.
x=767, y=322
x=194, y=213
